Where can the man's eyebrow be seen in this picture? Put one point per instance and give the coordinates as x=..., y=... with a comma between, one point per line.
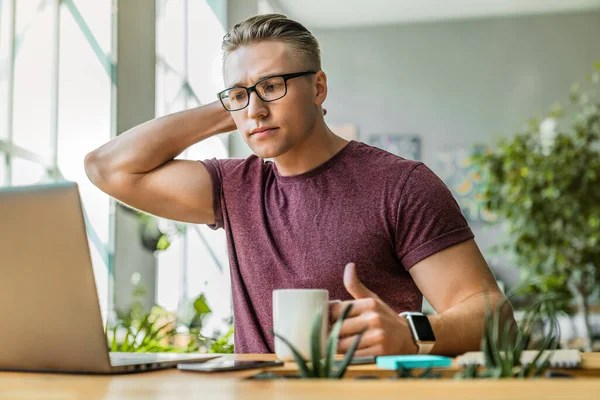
x=269, y=75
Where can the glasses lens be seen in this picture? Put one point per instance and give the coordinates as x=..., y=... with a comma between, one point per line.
x=234, y=99
x=271, y=89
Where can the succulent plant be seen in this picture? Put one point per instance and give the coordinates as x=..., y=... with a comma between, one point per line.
x=407, y=373
x=503, y=354
x=318, y=368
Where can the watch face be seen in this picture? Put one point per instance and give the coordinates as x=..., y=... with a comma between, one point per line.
x=423, y=328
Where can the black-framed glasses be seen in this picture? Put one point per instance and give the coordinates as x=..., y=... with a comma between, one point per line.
x=268, y=89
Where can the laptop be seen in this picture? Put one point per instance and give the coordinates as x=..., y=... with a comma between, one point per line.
x=50, y=316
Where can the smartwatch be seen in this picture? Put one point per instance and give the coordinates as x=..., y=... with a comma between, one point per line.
x=421, y=329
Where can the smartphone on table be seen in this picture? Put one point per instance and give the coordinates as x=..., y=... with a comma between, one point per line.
x=219, y=365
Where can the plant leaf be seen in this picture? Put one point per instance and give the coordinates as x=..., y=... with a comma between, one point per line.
x=142, y=324
x=403, y=373
x=508, y=352
x=339, y=374
x=539, y=369
x=148, y=331
x=125, y=345
x=550, y=343
x=302, y=368
x=332, y=342
x=163, y=242
x=493, y=358
x=153, y=334
x=494, y=334
x=201, y=306
x=485, y=341
x=114, y=345
x=315, y=344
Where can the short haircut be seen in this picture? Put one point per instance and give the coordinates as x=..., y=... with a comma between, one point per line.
x=275, y=27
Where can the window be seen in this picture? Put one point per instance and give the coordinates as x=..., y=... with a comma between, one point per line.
x=56, y=84
x=25, y=172
x=5, y=56
x=188, y=74
x=32, y=98
x=61, y=103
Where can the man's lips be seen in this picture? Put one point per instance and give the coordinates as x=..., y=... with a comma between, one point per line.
x=261, y=129
x=259, y=132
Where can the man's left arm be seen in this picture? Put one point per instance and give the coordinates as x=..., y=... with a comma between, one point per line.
x=456, y=281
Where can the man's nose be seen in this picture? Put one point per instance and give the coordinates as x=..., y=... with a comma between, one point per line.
x=256, y=107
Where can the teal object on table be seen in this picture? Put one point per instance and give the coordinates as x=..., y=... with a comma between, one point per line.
x=413, y=361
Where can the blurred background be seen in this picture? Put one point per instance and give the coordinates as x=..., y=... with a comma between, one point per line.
x=471, y=88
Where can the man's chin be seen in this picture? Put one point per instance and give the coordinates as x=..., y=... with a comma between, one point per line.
x=267, y=151
x=266, y=155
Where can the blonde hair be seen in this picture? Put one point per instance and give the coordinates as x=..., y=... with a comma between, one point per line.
x=279, y=27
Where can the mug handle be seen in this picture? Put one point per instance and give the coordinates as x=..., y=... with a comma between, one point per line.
x=331, y=302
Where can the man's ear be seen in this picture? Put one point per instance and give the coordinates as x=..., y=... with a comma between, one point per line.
x=320, y=88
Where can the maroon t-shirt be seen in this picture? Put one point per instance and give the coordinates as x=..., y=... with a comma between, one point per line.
x=364, y=205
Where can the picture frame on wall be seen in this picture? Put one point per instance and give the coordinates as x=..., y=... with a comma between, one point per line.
x=403, y=145
x=455, y=167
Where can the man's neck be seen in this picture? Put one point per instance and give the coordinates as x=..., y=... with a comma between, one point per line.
x=316, y=149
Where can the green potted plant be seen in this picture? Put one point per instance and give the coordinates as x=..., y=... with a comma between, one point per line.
x=155, y=238
x=150, y=332
x=158, y=330
x=316, y=367
x=545, y=184
x=503, y=346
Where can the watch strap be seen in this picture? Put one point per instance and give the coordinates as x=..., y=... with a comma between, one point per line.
x=425, y=347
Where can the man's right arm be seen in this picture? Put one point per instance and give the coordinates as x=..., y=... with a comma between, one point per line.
x=139, y=168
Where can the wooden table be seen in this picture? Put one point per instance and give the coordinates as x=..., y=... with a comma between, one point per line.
x=174, y=384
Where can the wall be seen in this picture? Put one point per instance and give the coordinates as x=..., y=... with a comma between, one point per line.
x=456, y=82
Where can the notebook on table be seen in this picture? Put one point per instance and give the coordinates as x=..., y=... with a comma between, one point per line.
x=559, y=359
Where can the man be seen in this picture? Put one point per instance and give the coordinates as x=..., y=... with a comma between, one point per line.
x=321, y=204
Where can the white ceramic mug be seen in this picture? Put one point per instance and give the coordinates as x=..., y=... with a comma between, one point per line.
x=293, y=313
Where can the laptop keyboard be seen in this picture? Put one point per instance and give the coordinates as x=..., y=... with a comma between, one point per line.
x=117, y=359
x=138, y=357
x=132, y=358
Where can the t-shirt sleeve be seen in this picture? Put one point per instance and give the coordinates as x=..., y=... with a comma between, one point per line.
x=429, y=219
x=214, y=170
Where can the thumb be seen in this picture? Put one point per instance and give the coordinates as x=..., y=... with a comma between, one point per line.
x=354, y=286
